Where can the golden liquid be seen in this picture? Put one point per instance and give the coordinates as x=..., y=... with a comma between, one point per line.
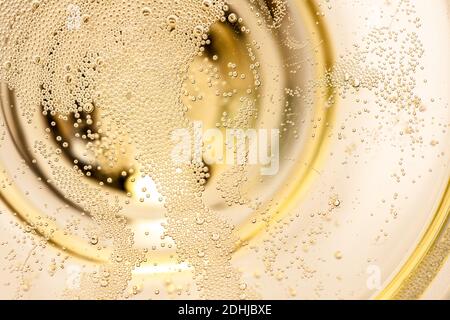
x=97, y=209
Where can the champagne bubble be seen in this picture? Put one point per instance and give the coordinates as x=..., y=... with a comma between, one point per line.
x=232, y=17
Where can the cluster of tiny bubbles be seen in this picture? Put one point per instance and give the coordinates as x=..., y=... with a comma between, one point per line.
x=105, y=212
x=428, y=269
x=277, y=241
x=271, y=13
x=119, y=67
x=231, y=184
x=386, y=70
